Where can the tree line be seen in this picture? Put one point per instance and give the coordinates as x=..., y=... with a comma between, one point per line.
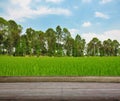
x=58, y=42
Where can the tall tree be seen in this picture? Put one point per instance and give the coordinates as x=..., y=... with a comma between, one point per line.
x=13, y=36
x=68, y=42
x=59, y=35
x=3, y=33
x=40, y=44
x=115, y=45
x=79, y=46
x=51, y=41
x=22, y=46
x=93, y=47
x=30, y=33
x=107, y=44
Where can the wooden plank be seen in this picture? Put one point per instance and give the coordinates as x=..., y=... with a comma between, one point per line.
x=57, y=91
x=60, y=79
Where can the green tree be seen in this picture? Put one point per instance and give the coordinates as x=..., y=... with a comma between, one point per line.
x=79, y=46
x=30, y=33
x=13, y=36
x=59, y=35
x=107, y=45
x=40, y=43
x=3, y=34
x=50, y=41
x=115, y=46
x=22, y=46
x=93, y=47
x=68, y=42
x=111, y=47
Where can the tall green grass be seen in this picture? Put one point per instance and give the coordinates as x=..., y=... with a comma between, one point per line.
x=59, y=66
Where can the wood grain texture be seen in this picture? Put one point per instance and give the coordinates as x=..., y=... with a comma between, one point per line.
x=60, y=79
x=59, y=91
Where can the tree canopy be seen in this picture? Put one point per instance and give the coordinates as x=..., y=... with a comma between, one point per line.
x=52, y=42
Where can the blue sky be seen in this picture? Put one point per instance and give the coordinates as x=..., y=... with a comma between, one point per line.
x=89, y=18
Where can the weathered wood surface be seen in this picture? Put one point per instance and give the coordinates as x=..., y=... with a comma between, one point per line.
x=59, y=91
x=60, y=79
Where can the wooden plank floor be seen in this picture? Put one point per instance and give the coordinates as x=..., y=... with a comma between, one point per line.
x=59, y=91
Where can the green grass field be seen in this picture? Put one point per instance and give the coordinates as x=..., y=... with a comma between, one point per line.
x=59, y=66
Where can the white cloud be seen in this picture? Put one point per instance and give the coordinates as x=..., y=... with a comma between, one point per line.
x=105, y=1
x=21, y=3
x=54, y=1
x=19, y=10
x=86, y=1
x=101, y=15
x=74, y=32
x=88, y=36
x=112, y=34
x=57, y=11
x=86, y=24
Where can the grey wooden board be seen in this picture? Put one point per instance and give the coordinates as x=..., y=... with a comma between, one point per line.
x=61, y=91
